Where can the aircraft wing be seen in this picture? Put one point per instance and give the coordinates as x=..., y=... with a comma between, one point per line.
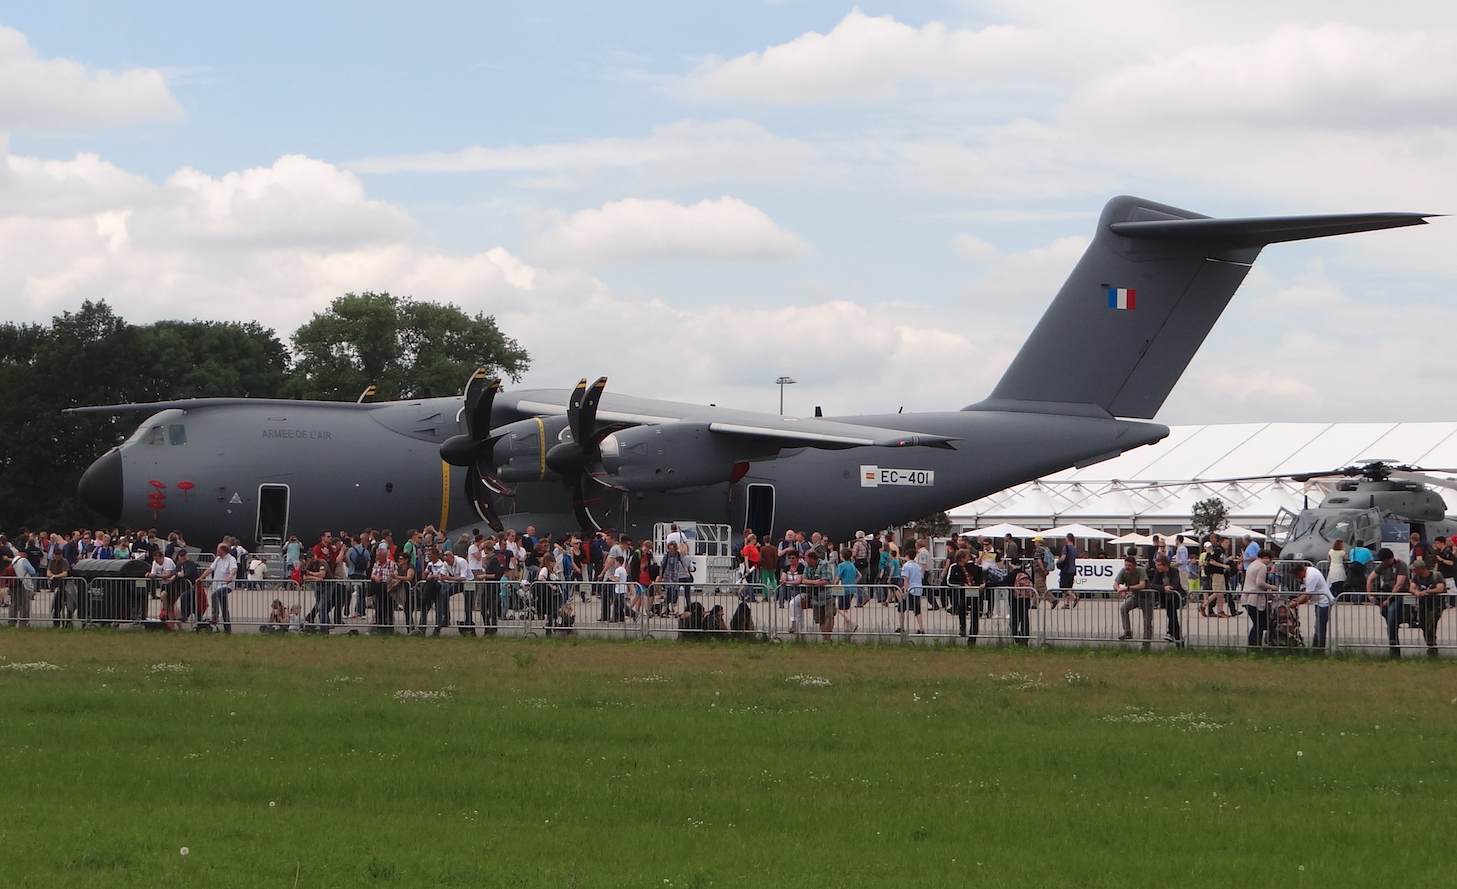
x=832, y=434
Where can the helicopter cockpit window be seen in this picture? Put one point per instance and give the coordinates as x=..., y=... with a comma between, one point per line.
x=177, y=434
x=155, y=436
x=1338, y=528
x=1303, y=526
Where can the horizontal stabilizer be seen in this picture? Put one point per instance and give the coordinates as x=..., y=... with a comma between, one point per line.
x=1261, y=231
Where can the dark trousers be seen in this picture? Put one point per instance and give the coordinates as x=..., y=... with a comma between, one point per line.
x=1021, y=608
x=1429, y=614
x=1172, y=605
x=490, y=594
x=384, y=607
x=965, y=606
x=1259, y=625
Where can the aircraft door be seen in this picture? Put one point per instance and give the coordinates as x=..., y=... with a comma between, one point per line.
x=272, y=514
x=760, y=510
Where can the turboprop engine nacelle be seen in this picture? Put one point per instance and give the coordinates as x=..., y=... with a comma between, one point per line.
x=520, y=451
x=668, y=456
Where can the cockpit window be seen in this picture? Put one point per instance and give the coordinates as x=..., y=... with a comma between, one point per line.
x=155, y=436
x=1341, y=527
x=177, y=434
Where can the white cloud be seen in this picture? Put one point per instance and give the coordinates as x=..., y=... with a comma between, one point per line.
x=973, y=247
x=60, y=95
x=685, y=150
x=638, y=229
x=1335, y=74
x=864, y=59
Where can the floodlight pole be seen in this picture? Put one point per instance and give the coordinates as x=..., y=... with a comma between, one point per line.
x=782, y=382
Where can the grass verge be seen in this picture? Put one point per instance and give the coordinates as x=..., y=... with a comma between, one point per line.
x=354, y=761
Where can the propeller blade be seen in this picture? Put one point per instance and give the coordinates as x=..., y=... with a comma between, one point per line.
x=574, y=410
x=581, y=505
x=587, y=419
x=474, y=387
x=479, y=421
x=480, y=499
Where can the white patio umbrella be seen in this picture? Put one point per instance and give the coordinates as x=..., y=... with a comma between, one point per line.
x=1134, y=538
x=1002, y=530
x=1077, y=530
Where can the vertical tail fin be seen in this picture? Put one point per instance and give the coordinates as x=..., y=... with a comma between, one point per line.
x=1142, y=299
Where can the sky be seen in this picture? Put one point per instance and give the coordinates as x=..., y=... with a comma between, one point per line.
x=695, y=199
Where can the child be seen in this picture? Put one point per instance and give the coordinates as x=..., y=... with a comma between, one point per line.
x=295, y=620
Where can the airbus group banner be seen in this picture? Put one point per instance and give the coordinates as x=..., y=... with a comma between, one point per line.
x=1093, y=574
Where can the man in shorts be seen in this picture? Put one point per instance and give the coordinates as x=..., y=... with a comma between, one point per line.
x=911, y=601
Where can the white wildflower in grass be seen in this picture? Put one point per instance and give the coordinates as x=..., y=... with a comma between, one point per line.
x=405, y=696
x=1076, y=678
x=345, y=680
x=184, y=851
x=1189, y=722
x=638, y=680
x=36, y=667
x=809, y=681
x=1021, y=681
x=171, y=668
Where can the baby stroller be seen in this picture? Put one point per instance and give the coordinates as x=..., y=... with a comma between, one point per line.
x=1285, y=627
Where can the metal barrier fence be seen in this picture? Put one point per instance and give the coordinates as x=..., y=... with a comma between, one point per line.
x=862, y=613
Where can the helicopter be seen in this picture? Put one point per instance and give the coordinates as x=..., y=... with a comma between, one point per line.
x=1378, y=502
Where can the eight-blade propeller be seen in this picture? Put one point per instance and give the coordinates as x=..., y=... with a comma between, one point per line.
x=578, y=458
x=473, y=449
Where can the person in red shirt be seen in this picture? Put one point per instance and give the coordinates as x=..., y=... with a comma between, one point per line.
x=750, y=555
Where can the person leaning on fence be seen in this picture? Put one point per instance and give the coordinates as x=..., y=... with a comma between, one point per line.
x=1319, y=592
x=1430, y=589
x=63, y=591
x=381, y=578
x=1019, y=604
x=820, y=579
x=220, y=576
x=1389, y=576
x=1257, y=599
x=1167, y=584
x=1132, y=586
x=911, y=585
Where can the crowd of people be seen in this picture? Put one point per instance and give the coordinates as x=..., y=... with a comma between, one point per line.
x=372, y=577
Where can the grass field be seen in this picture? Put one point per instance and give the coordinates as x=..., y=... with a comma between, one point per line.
x=306, y=761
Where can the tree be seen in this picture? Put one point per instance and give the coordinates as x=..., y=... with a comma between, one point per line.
x=1209, y=516
x=407, y=349
x=94, y=357
x=937, y=524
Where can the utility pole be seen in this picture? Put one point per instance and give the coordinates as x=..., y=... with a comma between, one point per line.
x=782, y=382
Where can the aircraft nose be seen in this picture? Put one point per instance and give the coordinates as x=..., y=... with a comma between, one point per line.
x=101, y=487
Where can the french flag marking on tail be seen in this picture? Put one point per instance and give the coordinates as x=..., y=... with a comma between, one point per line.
x=1122, y=298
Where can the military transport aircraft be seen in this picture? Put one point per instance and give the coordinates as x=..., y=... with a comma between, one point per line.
x=1105, y=355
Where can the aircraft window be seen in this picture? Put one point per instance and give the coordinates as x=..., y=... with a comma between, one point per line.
x=1303, y=526
x=155, y=436
x=177, y=434
x=1338, y=528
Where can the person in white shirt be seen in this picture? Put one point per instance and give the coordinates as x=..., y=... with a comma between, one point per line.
x=220, y=576
x=22, y=593
x=911, y=578
x=1318, y=591
x=616, y=573
x=1256, y=600
x=447, y=573
x=676, y=536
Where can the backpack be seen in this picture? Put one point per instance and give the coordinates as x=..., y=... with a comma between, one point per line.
x=359, y=560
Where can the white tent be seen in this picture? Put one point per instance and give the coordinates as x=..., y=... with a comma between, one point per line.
x=1237, y=531
x=1077, y=530
x=1002, y=530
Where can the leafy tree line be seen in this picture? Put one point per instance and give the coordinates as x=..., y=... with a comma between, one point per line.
x=407, y=349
